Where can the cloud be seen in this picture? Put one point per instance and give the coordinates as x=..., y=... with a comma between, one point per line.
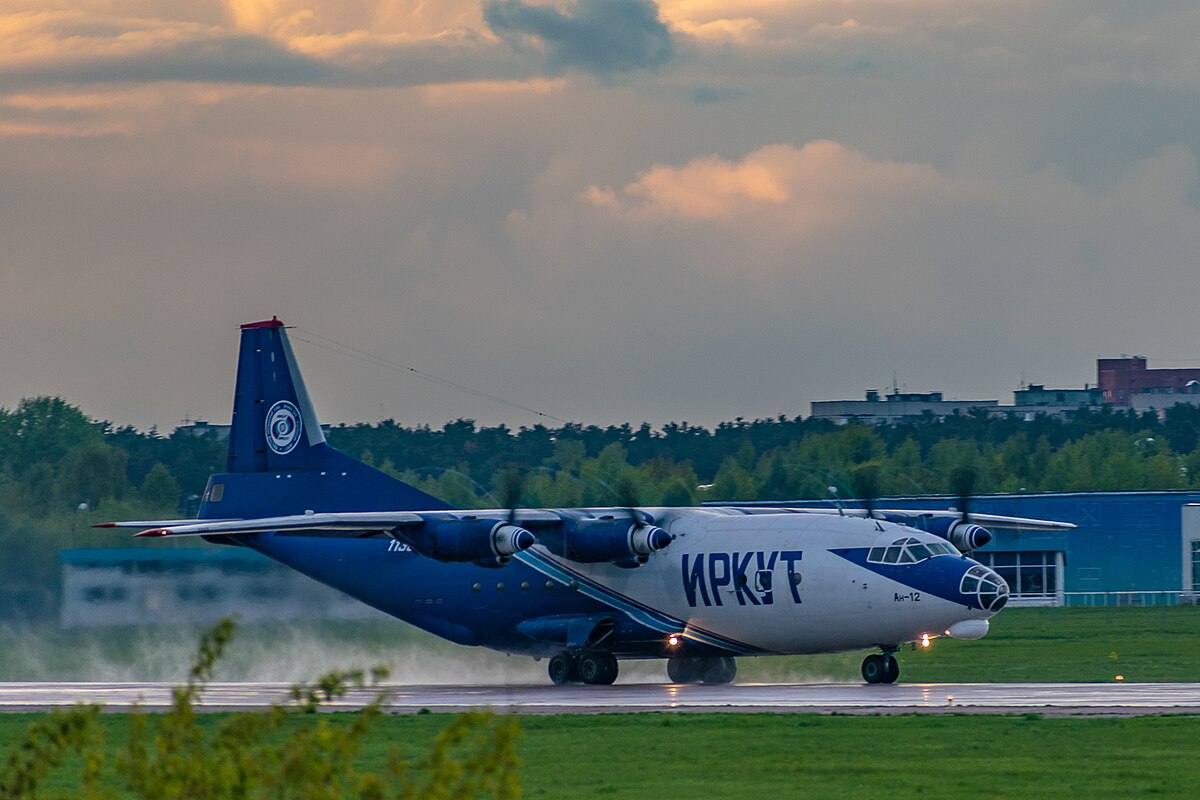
x=78, y=48
x=604, y=37
x=801, y=198
x=793, y=257
x=822, y=181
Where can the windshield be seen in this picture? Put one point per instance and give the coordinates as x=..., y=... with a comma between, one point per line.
x=909, y=551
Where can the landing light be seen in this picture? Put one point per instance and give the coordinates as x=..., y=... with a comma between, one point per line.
x=673, y=640
x=924, y=640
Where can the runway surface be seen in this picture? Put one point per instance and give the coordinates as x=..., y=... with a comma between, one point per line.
x=1047, y=698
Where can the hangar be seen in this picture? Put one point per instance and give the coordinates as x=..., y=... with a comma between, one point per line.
x=1130, y=548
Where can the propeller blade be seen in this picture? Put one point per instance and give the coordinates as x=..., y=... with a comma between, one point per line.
x=512, y=486
x=866, y=486
x=962, y=484
x=627, y=497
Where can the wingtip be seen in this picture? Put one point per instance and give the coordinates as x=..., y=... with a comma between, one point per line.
x=104, y=525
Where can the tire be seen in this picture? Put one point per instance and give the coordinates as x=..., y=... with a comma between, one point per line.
x=561, y=669
x=597, y=669
x=873, y=668
x=720, y=670
x=891, y=669
x=683, y=670
x=611, y=669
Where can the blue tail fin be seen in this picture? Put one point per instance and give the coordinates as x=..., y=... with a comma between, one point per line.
x=279, y=462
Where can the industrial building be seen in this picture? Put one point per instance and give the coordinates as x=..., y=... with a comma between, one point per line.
x=1130, y=548
x=895, y=407
x=104, y=586
x=1129, y=378
x=1125, y=383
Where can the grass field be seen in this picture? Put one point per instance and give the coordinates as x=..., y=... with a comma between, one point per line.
x=1153, y=644
x=739, y=755
x=767, y=755
x=1025, y=644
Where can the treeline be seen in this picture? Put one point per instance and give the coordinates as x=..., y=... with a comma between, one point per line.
x=55, y=460
x=786, y=458
x=61, y=471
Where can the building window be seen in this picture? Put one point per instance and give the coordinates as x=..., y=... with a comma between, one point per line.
x=1196, y=566
x=1030, y=574
x=104, y=594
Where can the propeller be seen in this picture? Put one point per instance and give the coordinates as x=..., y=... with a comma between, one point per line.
x=865, y=480
x=650, y=538
x=512, y=487
x=962, y=484
x=511, y=537
x=964, y=535
x=626, y=494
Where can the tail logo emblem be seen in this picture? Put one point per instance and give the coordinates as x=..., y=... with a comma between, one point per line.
x=283, y=427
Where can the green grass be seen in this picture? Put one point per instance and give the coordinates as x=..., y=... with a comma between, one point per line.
x=1153, y=644
x=799, y=755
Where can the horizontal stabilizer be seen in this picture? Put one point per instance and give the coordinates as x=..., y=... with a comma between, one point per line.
x=149, y=523
x=347, y=521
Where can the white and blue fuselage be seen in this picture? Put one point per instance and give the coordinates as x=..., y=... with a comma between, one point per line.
x=729, y=582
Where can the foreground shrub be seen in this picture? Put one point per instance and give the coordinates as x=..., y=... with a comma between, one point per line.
x=283, y=753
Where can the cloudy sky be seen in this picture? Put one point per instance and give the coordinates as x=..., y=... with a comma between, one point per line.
x=606, y=210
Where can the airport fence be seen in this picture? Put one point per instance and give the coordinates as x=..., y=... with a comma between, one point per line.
x=1129, y=598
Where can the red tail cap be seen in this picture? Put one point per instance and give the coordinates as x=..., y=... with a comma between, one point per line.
x=273, y=322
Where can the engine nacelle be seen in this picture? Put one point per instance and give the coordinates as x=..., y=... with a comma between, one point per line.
x=485, y=541
x=621, y=541
x=965, y=536
x=968, y=537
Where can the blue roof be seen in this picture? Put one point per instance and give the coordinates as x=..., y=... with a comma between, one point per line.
x=111, y=556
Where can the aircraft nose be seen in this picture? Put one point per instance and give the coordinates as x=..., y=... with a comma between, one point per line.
x=983, y=588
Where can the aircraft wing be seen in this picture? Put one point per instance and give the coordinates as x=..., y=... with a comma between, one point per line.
x=903, y=515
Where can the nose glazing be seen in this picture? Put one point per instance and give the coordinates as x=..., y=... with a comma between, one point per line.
x=987, y=589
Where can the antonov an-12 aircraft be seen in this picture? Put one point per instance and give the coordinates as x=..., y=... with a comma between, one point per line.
x=587, y=587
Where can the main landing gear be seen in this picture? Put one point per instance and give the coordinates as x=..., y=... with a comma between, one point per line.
x=598, y=669
x=881, y=667
x=685, y=669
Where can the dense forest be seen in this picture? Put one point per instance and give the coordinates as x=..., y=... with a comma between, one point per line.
x=61, y=470
x=55, y=460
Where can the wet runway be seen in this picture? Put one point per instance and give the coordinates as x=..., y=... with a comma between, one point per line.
x=1047, y=698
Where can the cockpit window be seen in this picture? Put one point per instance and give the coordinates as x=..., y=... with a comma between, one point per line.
x=909, y=551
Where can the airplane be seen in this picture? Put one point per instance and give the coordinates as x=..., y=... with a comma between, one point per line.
x=587, y=588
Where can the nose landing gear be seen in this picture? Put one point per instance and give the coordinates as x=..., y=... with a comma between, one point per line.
x=685, y=669
x=881, y=667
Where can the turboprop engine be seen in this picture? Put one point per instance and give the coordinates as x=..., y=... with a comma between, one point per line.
x=965, y=536
x=484, y=541
x=623, y=541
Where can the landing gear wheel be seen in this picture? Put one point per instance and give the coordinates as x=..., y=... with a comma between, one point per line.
x=891, y=669
x=683, y=670
x=874, y=669
x=598, y=669
x=562, y=669
x=720, y=670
